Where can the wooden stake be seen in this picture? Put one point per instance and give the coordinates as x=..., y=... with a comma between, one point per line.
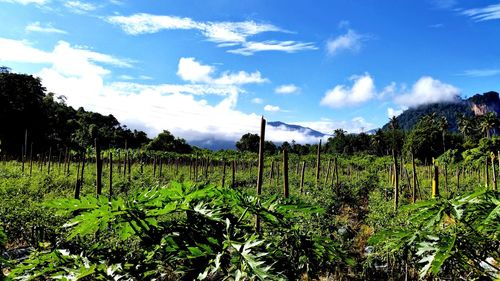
x=318, y=162
x=98, y=168
x=302, y=177
x=110, y=175
x=261, y=165
x=286, y=191
x=414, y=189
x=396, y=180
x=435, y=180
x=233, y=174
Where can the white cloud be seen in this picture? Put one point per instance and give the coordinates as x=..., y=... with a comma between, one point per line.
x=272, y=108
x=27, y=2
x=388, y=90
x=362, y=90
x=81, y=75
x=391, y=112
x=257, y=100
x=351, y=41
x=240, y=78
x=195, y=72
x=428, y=90
x=481, y=72
x=491, y=12
x=37, y=27
x=328, y=126
x=80, y=6
x=287, y=89
x=250, y=48
x=191, y=70
x=146, y=23
x=225, y=34
x=21, y=51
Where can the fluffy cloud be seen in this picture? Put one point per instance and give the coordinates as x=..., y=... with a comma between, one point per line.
x=82, y=76
x=21, y=51
x=428, y=90
x=287, y=89
x=225, y=34
x=191, y=70
x=362, y=90
x=351, y=41
x=391, y=112
x=271, y=108
x=195, y=72
x=37, y=27
x=491, y=12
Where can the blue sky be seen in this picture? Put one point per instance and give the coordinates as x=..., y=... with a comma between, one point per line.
x=210, y=69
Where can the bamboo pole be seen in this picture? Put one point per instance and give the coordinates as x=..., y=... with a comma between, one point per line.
x=50, y=156
x=233, y=174
x=261, y=166
x=396, y=180
x=414, y=189
x=318, y=162
x=494, y=172
x=435, y=180
x=302, y=177
x=223, y=172
x=328, y=171
x=110, y=175
x=98, y=168
x=286, y=191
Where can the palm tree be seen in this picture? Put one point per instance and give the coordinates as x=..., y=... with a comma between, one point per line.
x=465, y=125
x=489, y=122
x=443, y=125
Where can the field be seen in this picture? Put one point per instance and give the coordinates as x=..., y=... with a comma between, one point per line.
x=167, y=216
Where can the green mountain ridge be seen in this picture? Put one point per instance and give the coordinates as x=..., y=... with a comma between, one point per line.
x=479, y=104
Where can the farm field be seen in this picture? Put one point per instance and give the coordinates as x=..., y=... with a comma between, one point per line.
x=169, y=216
x=252, y=140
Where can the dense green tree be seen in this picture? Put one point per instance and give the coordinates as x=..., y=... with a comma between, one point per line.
x=250, y=142
x=165, y=141
x=49, y=122
x=425, y=140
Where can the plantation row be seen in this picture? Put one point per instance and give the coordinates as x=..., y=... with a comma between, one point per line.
x=136, y=215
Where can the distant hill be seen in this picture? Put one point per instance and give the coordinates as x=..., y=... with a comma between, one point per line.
x=301, y=129
x=215, y=144
x=476, y=105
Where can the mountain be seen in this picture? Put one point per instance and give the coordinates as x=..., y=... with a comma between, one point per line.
x=215, y=144
x=476, y=105
x=301, y=129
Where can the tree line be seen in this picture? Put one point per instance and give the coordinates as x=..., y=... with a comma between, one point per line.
x=32, y=119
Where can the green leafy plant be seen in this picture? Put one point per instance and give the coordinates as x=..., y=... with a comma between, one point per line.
x=186, y=231
x=456, y=237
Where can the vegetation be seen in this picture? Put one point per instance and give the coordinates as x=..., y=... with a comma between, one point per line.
x=396, y=205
